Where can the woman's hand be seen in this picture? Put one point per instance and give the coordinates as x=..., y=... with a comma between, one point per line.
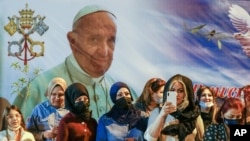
x=50, y=134
x=167, y=108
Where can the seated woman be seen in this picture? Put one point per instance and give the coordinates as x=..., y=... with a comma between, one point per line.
x=230, y=113
x=45, y=117
x=123, y=121
x=15, y=126
x=176, y=122
x=78, y=124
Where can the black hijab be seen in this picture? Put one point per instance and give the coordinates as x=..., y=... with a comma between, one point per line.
x=131, y=116
x=74, y=91
x=187, y=117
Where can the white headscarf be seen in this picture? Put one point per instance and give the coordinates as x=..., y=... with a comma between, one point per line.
x=56, y=81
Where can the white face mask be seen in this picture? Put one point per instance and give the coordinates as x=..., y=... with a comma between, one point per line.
x=206, y=104
x=160, y=100
x=157, y=99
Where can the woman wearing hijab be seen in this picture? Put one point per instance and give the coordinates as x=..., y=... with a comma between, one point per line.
x=123, y=121
x=77, y=125
x=44, y=119
x=176, y=122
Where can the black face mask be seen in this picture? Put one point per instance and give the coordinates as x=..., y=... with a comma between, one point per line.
x=82, y=106
x=231, y=121
x=123, y=103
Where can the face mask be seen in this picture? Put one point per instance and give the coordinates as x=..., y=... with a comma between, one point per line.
x=206, y=104
x=123, y=103
x=231, y=121
x=158, y=100
x=82, y=106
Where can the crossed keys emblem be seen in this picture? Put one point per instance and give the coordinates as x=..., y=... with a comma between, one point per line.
x=26, y=25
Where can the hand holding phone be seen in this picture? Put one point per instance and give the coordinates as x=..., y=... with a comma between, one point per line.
x=170, y=104
x=172, y=97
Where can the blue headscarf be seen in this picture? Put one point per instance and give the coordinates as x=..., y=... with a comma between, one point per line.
x=115, y=88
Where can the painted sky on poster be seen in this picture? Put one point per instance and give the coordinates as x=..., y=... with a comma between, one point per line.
x=152, y=40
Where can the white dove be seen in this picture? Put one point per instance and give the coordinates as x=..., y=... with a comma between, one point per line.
x=241, y=21
x=239, y=18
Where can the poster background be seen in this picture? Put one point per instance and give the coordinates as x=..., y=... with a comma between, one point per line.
x=152, y=41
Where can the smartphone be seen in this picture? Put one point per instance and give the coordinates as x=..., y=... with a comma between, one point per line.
x=172, y=97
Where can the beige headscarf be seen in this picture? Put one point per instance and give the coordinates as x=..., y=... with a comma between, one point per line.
x=89, y=10
x=54, y=82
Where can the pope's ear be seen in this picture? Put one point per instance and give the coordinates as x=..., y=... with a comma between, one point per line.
x=72, y=38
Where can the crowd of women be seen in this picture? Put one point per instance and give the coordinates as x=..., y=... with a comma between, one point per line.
x=66, y=115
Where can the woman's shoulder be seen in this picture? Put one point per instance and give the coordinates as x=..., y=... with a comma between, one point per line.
x=43, y=107
x=68, y=117
x=139, y=105
x=156, y=110
x=105, y=119
x=28, y=134
x=3, y=133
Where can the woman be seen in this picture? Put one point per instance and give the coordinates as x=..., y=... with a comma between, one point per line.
x=44, y=119
x=15, y=126
x=208, y=108
x=123, y=121
x=77, y=125
x=245, y=94
x=230, y=113
x=3, y=104
x=171, y=122
x=151, y=96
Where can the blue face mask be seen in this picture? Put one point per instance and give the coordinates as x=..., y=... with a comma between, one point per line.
x=231, y=121
x=206, y=104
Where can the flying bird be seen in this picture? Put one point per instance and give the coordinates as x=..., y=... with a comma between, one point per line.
x=240, y=19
